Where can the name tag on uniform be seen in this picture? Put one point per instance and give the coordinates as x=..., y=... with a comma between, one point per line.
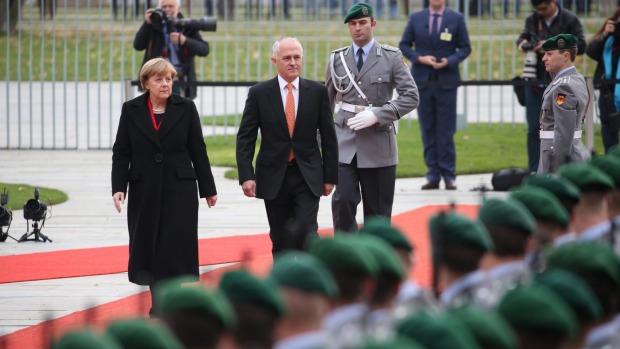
x=445, y=36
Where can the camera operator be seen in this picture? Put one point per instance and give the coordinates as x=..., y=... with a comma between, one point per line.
x=547, y=20
x=160, y=37
x=605, y=49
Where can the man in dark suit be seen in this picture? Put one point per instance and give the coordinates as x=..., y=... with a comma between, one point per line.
x=292, y=169
x=441, y=43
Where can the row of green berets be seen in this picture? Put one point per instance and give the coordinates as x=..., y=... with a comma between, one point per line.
x=537, y=269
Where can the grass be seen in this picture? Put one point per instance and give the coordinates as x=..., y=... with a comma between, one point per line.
x=481, y=148
x=92, y=47
x=19, y=194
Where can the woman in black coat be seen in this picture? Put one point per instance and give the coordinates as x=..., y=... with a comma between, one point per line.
x=158, y=157
x=607, y=39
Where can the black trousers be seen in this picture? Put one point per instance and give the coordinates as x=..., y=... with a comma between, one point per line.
x=373, y=186
x=292, y=214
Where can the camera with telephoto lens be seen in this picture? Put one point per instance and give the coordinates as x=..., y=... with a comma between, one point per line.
x=159, y=16
x=531, y=58
x=34, y=209
x=208, y=24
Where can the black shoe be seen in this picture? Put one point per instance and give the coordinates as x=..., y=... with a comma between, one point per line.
x=430, y=185
x=451, y=185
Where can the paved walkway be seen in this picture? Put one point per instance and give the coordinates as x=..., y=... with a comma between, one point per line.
x=88, y=219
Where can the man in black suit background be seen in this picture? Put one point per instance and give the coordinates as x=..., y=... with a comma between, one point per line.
x=293, y=169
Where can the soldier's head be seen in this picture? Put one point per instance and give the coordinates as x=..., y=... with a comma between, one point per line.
x=361, y=21
x=287, y=55
x=510, y=226
x=560, y=52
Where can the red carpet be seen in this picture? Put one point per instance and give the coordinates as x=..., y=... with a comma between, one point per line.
x=254, y=250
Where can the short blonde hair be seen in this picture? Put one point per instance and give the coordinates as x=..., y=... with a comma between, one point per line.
x=156, y=66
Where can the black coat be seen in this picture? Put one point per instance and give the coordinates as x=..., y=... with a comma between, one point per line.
x=161, y=170
x=264, y=110
x=595, y=51
x=150, y=37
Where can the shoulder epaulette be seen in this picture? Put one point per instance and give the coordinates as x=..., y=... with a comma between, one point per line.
x=340, y=49
x=390, y=48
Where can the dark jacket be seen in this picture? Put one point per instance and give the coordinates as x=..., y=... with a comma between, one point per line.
x=159, y=172
x=264, y=110
x=565, y=23
x=150, y=37
x=455, y=50
x=595, y=51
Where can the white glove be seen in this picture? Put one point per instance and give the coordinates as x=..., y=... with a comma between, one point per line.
x=362, y=120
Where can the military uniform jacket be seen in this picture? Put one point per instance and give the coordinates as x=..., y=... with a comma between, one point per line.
x=382, y=72
x=563, y=110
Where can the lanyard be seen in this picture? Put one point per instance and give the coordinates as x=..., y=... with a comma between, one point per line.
x=155, y=124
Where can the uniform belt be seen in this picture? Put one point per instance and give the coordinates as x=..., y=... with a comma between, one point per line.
x=549, y=134
x=352, y=107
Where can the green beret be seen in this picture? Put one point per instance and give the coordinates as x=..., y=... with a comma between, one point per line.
x=385, y=256
x=399, y=342
x=489, y=329
x=303, y=271
x=541, y=203
x=538, y=309
x=614, y=151
x=172, y=297
x=143, y=334
x=574, y=291
x=437, y=331
x=508, y=213
x=242, y=287
x=456, y=229
x=563, y=189
x=610, y=165
x=340, y=254
x=586, y=177
x=359, y=10
x=85, y=339
x=559, y=42
x=381, y=227
x=586, y=259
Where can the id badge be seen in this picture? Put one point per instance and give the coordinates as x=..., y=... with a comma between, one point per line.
x=445, y=36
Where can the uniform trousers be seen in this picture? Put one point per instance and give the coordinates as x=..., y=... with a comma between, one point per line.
x=373, y=186
x=437, y=116
x=533, y=104
x=610, y=138
x=292, y=214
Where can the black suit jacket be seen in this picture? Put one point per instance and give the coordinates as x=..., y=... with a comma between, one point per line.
x=264, y=110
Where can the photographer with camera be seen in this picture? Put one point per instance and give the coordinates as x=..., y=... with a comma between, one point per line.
x=164, y=33
x=547, y=20
x=605, y=49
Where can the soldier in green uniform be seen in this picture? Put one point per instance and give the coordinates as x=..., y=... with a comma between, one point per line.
x=307, y=287
x=362, y=78
x=510, y=226
x=564, y=106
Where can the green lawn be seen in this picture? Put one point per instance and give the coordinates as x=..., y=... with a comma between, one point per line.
x=19, y=194
x=481, y=148
x=95, y=48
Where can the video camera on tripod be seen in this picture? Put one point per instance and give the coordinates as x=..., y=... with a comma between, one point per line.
x=159, y=16
x=35, y=211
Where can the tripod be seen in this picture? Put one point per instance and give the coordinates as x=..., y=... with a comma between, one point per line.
x=36, y=231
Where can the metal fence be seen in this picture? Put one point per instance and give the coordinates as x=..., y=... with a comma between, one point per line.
x=66, y=65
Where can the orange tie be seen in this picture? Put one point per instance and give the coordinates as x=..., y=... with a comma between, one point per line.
x=290, y=115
